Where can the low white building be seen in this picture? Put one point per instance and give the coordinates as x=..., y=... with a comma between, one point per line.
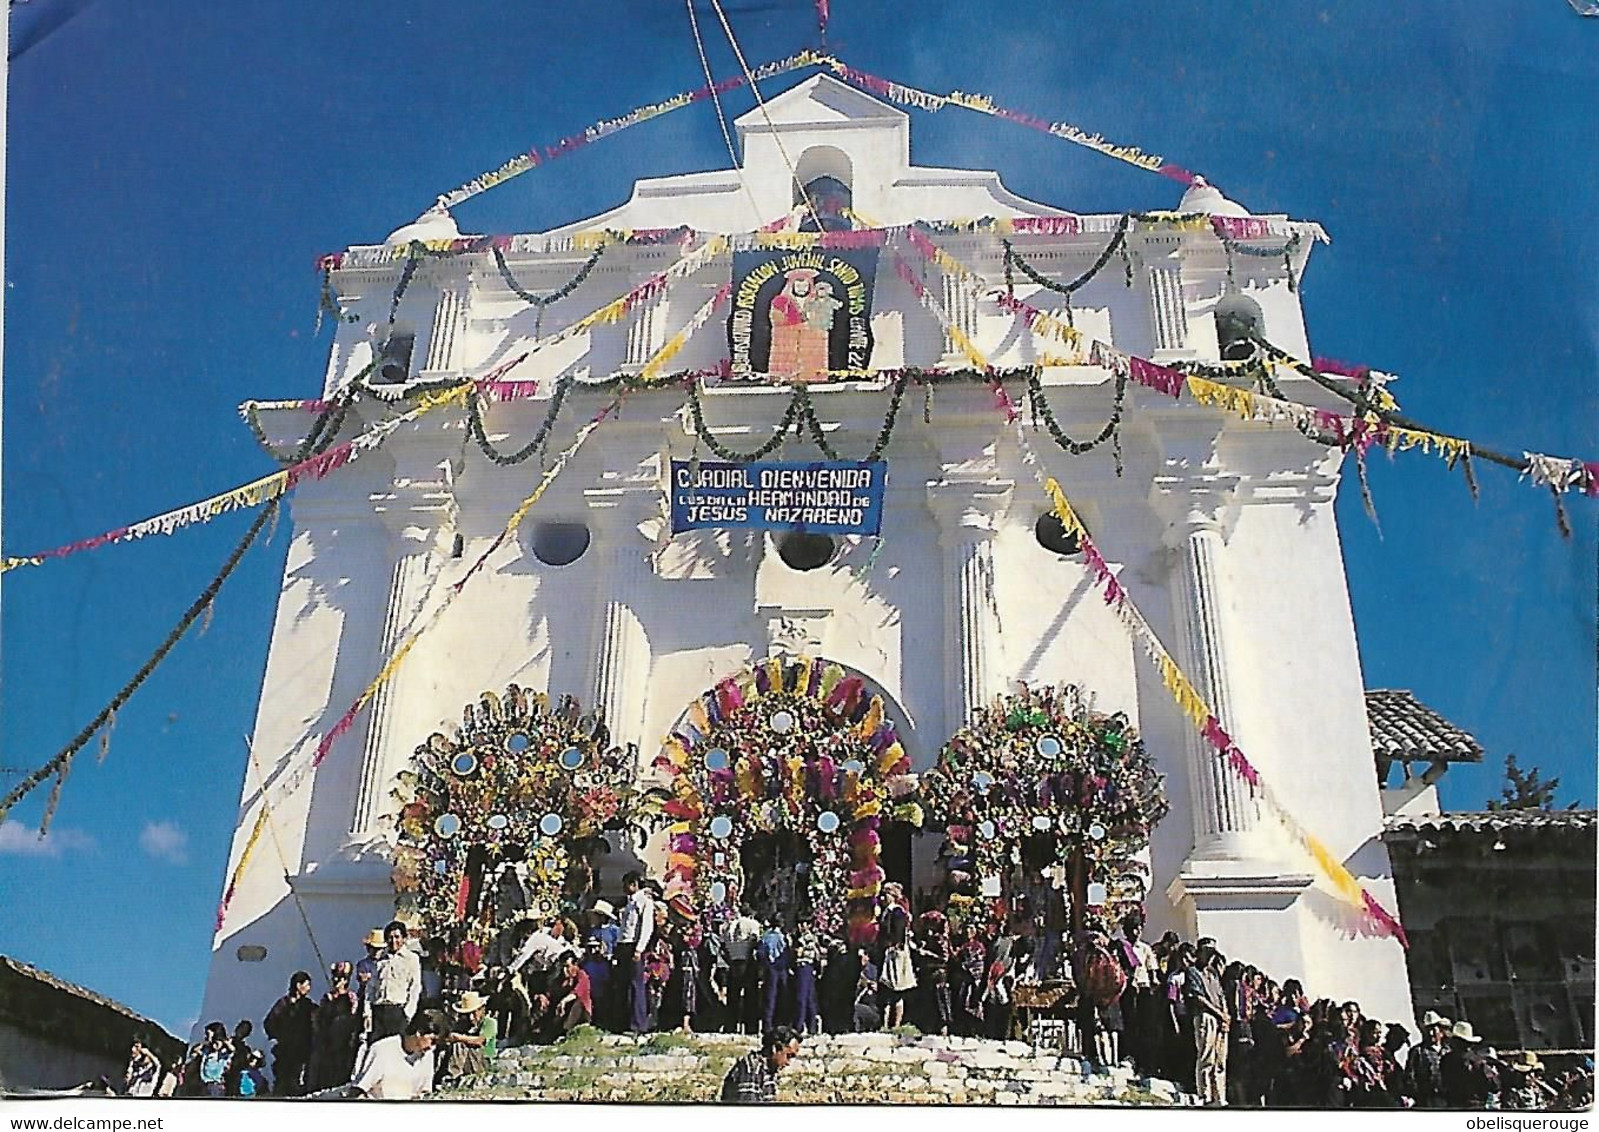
x=1221, y=530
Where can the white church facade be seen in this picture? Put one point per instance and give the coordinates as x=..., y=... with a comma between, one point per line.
x=1220, y=529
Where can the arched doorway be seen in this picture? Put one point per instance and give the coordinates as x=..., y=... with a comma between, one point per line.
x=1047, y=808
x=500, y=821
x=780, y=781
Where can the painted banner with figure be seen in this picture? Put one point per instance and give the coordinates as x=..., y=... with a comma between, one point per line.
x=799, y=313
x=832, y=497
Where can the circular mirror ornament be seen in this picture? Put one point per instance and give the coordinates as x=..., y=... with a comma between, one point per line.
x=718, y=892
x=464, y=763
x=1096, y=832
x=721, y=827
x=781, y=722
x=441, y=866
x=827, y=821
x=1040, y=823
x=855, y=766
x=1049, y=746
x=550, y=824
x=497, y=821
x=447, y=825
x=985, y=828
x=982, y=781
x=571, y=758
x=518, y=741
x=716, y=759
x=1097, y=894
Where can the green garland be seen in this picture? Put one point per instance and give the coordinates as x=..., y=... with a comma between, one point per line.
x=884, y=434
x=1041, y=409
x=790, y=415
x=549, y=297
x=1117, y=242
x=474, y=420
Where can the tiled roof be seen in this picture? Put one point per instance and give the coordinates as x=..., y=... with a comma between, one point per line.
x=55, y=982
x=1403, y=729
x=1495, y=821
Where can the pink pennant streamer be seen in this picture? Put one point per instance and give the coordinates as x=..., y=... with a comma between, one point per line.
x=1387, y=922
x=1047, y=225
x=1340, y=369
x=918, y=240
x=1003, y=402
x=1590, y=470
x=1167, y=381
x=1028, y=314
x=1177, y=173
x=860, y=238
x=1240, y=227
x=903, y=270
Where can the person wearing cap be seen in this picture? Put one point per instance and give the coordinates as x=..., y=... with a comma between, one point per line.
x=335, y=1031
x=396, y=987
x=473, y=1039
x=1469, y=1078
x=1425, y=1066
x=400, y=1066
x=1528, y=1091
x=1207, y=1007
x=365, y=968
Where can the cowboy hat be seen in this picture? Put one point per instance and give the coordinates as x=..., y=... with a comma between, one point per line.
x=1462, y=1031
x=1527, y=1063
x=604, y=908
x=374, y=938
x=1433, y=1018
x=470, y=1003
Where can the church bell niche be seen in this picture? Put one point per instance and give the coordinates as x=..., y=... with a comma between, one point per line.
x=1045, y=802
x=780, y=782
x=500, y=822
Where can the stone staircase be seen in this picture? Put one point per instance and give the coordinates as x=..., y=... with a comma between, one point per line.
x=897, y=1068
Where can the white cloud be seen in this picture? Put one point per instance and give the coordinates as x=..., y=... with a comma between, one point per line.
x=24, y=840
x=165, y=841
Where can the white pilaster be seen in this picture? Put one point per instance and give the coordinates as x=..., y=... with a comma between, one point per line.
x=448, y=315
x=1168, y=314
x=969, y=514
x=621, y=648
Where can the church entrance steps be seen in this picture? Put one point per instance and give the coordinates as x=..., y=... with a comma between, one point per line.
x=901, y=1068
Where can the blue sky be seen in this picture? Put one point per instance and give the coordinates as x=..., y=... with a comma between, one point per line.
x=173, y=169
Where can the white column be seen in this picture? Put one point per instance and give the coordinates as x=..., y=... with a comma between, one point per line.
x=969, y=515
x=1225, y=815
x=414, y=560
x=1168, y=314
x=447, y=317
x=621, y=653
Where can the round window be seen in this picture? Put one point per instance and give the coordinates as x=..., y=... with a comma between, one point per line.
x=1053, y=536
x=801, y=551
x=559, y=544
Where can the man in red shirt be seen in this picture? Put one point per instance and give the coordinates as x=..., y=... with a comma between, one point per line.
x=570, y=1003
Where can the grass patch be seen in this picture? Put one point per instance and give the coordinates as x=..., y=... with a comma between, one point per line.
x=665, y=1041
x=906, y=1031
x=1134, y=1095
x=583, y=1040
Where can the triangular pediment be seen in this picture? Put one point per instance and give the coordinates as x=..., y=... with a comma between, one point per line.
x=821, y=100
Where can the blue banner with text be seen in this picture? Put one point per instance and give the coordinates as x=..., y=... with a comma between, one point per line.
x=830, y=497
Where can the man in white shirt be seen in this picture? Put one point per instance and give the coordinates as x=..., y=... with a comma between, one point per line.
x=539, y=954
x=638, y=926
x=399, y=1067
x=739, y=937
x=1140, y=1001
x=396, y=986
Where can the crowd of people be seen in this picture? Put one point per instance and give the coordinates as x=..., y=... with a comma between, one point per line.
x=412, y=1013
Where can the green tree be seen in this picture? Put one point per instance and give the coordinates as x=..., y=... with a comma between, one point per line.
x=1525, y=790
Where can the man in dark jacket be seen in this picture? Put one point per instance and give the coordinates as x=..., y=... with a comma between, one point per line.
x=753, y=1078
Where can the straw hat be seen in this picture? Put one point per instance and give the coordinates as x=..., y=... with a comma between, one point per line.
x=1527, y=1063
x=470, y=1003
x=604, y=908
x=1433, y=1018
x=1462, y=1031
x=374, y=938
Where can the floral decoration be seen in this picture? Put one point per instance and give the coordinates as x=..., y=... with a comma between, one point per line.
x=790, y=744
x=1040, y=764
x=492, y=818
